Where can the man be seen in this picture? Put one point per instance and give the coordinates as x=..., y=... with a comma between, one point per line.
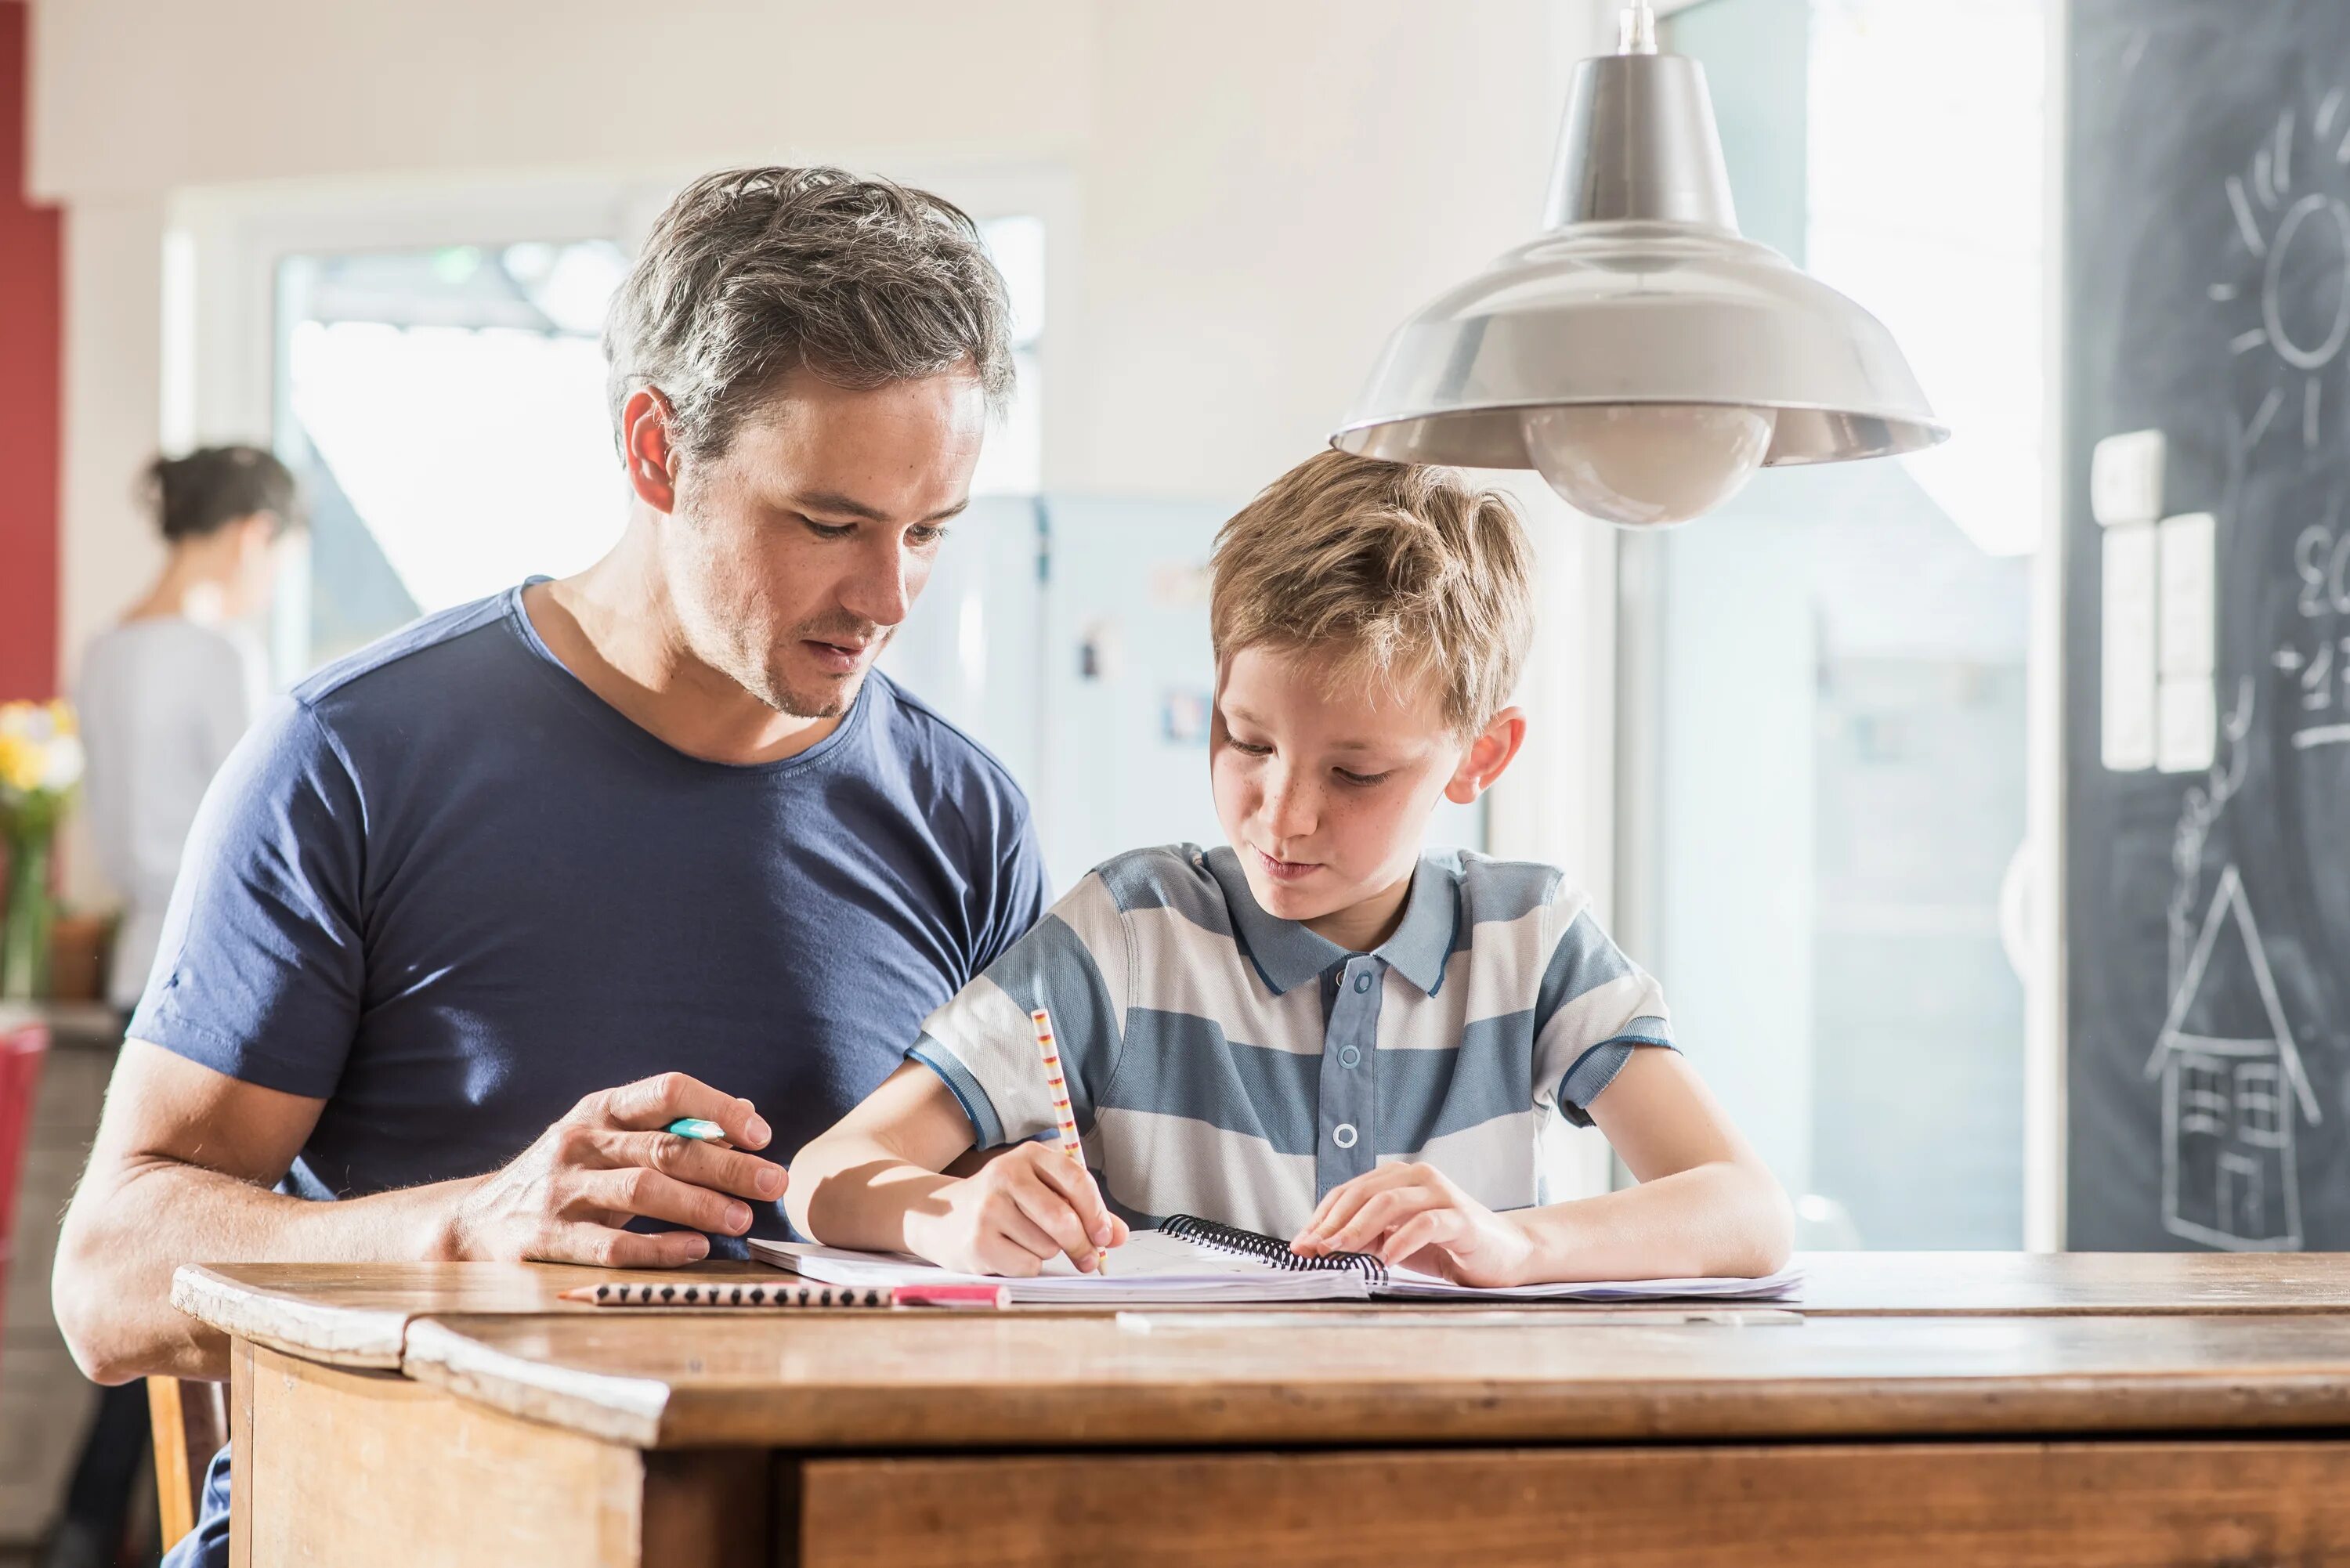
x=470, y=918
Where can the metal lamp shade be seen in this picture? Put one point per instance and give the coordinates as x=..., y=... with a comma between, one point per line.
x=1641, y=291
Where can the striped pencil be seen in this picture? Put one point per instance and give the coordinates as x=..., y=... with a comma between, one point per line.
x=1056, y=1086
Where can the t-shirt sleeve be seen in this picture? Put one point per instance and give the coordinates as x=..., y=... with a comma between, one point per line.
x=1596, y=1007
x=260, y=971
x=1072, y=963
x=1022, y=890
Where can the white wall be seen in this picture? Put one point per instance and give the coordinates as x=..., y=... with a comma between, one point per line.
x=114, y=330
x=1259, y=193
x=1261, y=190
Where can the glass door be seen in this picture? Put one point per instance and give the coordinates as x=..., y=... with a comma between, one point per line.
x=444, y=407
x=1825, y=718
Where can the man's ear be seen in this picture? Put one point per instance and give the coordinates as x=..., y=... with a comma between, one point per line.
x=1488, y=755
x=645, y=445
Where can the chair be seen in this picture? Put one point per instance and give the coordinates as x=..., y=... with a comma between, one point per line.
x=24, y=1043
x=191, y=1425
x=190, y=1419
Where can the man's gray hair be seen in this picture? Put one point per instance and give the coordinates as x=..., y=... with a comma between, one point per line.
x=751, y=274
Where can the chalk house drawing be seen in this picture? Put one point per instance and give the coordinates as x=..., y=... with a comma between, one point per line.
x=2225, y=1054
x=2225, y=1057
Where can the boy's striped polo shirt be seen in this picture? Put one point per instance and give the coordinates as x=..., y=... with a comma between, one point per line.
x=1227, y=1063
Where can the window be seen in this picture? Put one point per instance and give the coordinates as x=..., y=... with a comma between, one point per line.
x=2202, y=1096
x=2260, y=1105
x=1013, y=461
x=1823, y=749
x=446, y=408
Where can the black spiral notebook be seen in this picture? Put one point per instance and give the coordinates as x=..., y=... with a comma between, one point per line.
x=1271, y=1251
x=1190, y=1259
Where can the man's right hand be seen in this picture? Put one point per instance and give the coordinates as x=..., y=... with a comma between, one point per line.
x=568, y=1198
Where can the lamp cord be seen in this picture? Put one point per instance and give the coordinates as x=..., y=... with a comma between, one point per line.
x=1636, y=31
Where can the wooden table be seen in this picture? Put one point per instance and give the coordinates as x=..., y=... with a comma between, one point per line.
x=1934, y=1409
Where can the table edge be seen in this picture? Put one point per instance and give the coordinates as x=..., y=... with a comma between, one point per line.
x=368, y=1338
x=618, y=1409
x=1259, y=1412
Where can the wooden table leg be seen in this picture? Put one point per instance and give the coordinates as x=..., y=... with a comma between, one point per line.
x=240, y=1445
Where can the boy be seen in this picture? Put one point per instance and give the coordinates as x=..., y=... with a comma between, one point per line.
x=1317, y=1032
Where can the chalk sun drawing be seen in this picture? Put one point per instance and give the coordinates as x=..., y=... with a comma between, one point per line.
x=2233, y=1086
x=2290, y=238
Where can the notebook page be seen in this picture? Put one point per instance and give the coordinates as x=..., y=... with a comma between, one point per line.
x=1149, y=1268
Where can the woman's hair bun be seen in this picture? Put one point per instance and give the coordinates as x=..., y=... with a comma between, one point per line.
x=214, y=486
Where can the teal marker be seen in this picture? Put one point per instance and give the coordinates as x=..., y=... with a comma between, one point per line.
x=696, y=1127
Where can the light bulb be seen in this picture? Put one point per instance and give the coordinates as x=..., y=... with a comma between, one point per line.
x=1648, y=464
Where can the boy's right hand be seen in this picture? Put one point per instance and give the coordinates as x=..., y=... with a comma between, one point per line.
x=1027, y=1205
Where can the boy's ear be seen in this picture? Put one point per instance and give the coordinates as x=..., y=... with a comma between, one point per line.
x=1488, y=755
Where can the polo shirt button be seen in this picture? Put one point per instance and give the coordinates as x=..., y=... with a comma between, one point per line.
x=1362, y=983
x=1349, y=1056
x=1343, y=1135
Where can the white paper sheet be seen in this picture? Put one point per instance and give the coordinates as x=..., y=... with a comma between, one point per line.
x=2190, y=725
x=2127, y=735
x=1152, y=1269
x=2126, y=474
x=1148, y=1269
x=2187, y=550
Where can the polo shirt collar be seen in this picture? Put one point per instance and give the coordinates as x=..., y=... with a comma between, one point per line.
x=1287, y=954
x=1423, y=942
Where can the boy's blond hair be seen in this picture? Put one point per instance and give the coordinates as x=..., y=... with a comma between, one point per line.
x=1402, y=570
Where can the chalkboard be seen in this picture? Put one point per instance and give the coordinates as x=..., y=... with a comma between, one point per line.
x=2208, y=717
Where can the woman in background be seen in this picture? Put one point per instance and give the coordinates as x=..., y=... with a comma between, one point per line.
x=167, y=693
x=163, y=697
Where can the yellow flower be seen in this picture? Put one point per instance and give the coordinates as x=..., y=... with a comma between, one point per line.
x=22, y=765
x=61, y=714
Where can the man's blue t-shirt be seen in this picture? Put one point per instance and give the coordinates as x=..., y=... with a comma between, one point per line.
x=449, y=890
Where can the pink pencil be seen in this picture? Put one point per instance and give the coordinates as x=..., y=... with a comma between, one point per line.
x=1064, y=1120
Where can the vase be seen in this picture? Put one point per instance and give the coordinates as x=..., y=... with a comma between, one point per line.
x=25, y=919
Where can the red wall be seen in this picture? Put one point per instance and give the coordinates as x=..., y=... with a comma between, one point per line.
x=31, y=305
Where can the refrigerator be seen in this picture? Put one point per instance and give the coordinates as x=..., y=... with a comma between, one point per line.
x=1068, y=634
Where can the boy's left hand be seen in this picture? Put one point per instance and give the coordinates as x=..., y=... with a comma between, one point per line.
x=1414, y=1215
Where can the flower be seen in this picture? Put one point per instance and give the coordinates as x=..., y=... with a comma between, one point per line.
x=41, y=756
x=65, y=764
x=22, y=764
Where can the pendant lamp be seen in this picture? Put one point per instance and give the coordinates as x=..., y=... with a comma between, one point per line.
x=1639, y=353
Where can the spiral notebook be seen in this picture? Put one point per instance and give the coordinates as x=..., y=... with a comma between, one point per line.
x=1188, y=1260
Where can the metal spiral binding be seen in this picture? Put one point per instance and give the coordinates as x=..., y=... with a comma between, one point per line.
x=1269, y=1250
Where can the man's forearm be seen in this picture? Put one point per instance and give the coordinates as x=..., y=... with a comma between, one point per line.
x=125, y=1235
x=185, y=1157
